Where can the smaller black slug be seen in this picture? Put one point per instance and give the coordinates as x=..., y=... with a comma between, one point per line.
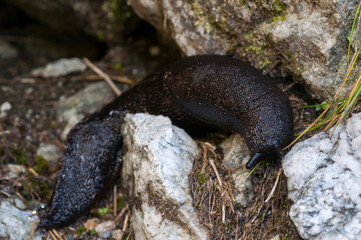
x=213, y=91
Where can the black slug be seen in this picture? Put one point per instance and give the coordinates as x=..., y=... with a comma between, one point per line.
x=213, y=91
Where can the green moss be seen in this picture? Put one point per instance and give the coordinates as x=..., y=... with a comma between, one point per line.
x=256, y=45
x=100, y=36
x=203, y=21
x=80, y=231
x=279, y=6
x=120, y=203
x=277, y=19
x=290, y=55
x=19, y=155
x=118, y=66
x=201, y=178
x=41, y=165
x=93, y=232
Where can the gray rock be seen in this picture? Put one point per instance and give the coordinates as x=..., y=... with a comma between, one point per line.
x=236, y=155
x=156, y=166
x=4, y=108
x=51, y=153
x=7, y=51
x=236, y=152
x=19, y=204
x=324, y=179
x=104, y=229
x=310, y=39
x=84, y=102
x=15, y=170
x=60, y=67
x=117, y=234
x=14, y=223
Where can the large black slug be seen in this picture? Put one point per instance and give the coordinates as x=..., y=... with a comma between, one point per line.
x=212, y=91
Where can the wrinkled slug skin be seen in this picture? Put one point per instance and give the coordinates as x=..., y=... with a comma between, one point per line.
x=213, y=91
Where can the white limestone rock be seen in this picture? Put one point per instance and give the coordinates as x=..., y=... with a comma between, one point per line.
x=156, y=166
x=324, y=179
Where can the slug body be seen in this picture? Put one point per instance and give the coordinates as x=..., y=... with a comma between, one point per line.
x=212, y=91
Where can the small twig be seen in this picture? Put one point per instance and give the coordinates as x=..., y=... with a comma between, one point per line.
x=33, y=172
x=5, y=193
x=223, y=213
x=289, y=87
x=57, y=234
x=4, y=132
x=62, y=231
x=52, y=235
x=21, y=197
x=216, y=171
x=32, y=231
x=121, y=214
x=97, y=77
x=125, y=226
x=274, y=187
x=103, y=74
x=115, y=200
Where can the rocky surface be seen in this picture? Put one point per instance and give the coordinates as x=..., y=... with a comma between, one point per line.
x=309, y=40
x=155, y=171
x=324, y=179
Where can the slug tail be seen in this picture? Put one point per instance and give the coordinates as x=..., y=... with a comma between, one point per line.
x=90, y=165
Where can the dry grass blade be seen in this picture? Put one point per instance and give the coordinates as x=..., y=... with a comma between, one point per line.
x=212, y=191
x=274, y=186
x=103, y=74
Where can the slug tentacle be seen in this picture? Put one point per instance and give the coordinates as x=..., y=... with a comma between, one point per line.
x=195, y=92
x=254, y=160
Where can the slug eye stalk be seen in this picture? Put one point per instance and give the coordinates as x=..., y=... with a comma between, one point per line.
x=254, y=160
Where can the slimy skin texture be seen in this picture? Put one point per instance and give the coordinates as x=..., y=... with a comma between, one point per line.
x=200, y=91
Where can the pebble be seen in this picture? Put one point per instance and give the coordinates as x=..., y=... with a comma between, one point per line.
x=15, y=170
x=91, y=223
x=51, y=153
x=19, y=204
x=104, y=229
x=59, y=68
x=4, y=108
x=7, y=51
x=117, y=234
